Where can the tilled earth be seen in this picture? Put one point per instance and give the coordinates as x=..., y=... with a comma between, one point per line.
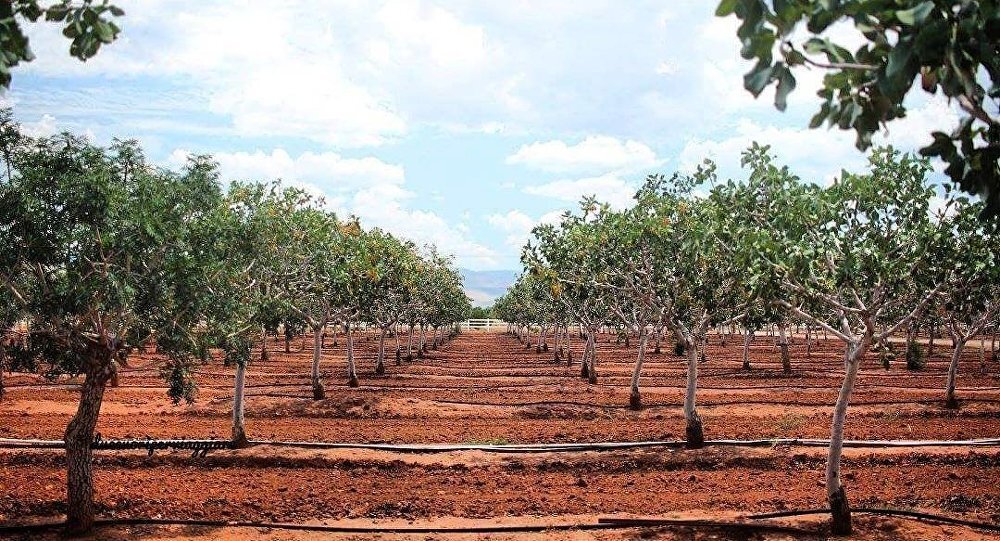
x=487, y=388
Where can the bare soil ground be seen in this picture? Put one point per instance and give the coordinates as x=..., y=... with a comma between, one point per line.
x=486, y=388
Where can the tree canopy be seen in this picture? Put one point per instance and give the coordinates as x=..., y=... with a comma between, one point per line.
x=951, y=47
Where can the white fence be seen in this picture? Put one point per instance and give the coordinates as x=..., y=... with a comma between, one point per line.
x=482, y=324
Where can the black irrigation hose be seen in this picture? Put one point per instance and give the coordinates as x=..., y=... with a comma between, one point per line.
x=200, y=447
x=918, y=515
x=205, y=445
x=656, y=405
x=606, y=524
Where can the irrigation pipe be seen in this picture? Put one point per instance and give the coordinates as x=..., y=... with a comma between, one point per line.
x=918, y=515
x=616, y=524
x=204, y=445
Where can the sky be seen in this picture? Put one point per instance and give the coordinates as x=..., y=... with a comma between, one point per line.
x=457, y=123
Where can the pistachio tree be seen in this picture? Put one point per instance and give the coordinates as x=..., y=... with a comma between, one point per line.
x=971, y=297
x=694, y=274
x=242, y=235
x=569, y=256
x=98, y=261
x=393, y=283
x=844, y=258
x=305, y=264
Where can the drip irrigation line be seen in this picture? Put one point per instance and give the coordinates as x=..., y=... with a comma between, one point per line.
x=655, y=405
x=608, y=524
x=904, y=513
x=205, y=445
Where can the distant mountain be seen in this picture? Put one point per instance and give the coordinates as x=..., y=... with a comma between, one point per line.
x=483, y=287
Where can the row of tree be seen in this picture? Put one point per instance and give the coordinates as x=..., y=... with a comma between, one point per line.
x=860, y=259
x=102, y=254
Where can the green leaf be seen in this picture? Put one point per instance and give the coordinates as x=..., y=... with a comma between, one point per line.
x=898, y=59
x=786, y=83
x=758, y=78
x=105, y=32
x=726, y=7
x=915, y=15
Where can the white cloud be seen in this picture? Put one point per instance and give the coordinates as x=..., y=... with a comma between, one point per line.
x=513, y=221
x=327, y=169
x=276, y=72
x=816, y=155
x=666, y=68
x=368, y=188
x=44, y=127
x=914, y=130
x=383, y=206
x=414, y=29
x=608, y=188
x=594, y=154
x=517, y=226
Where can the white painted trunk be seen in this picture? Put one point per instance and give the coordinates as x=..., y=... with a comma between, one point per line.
x=690, y=408
x=239, y=430
x=836, y=494
x=317, y=385
x=352, y=374
x=409, y=343
x=956, y=355
x=635, y=399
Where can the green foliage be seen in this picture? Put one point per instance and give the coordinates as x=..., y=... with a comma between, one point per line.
x=481, y=312
x=950, y=46
x=87, y=25
x=95, y=249
x=180, y=383
x=914, y=356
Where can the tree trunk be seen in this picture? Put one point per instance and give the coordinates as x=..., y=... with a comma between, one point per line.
x=239, y=430
x=836, y=493
x=746, y=350
x=352, y=374
x=3, y=364
x=263, y=343
x=694, y=432
x=659, y=335
x=80, y=512
x=409, y=344
x=568, y=339
x=634, y=399
x=592, y=368
x=422, y=344
x=930, y=339
x=380, y=363
x=556, y=344
x=288, y=339
x=786, y=361
x=585, y=359
x=809, y=342
x=949, y=398
x=395, y=336
x=434, y=339
x=319, y=393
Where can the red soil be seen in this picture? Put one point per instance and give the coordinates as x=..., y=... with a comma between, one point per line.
x=487, y=388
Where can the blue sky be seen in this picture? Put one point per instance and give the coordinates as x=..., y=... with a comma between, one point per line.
x=458, y=123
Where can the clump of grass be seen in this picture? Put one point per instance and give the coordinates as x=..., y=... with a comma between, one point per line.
x=488, y=441
x=790, y=422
